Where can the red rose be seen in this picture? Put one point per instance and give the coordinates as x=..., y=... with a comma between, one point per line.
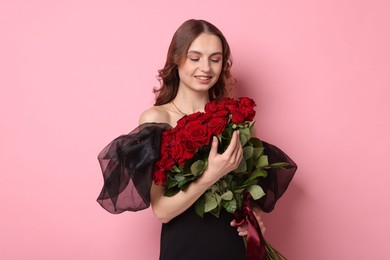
x=246, y=106
x=181, y=122
x=159, y=177
x=197, y=132
x=238, y=117
x=246, y=102
x=211, y=107
x=216, y=125
x=167, y=137
x=181, y=135
x=215, y=109
x=207, y=116
x=166, y=161
x=230, y=104
x=194, y=116
x=247, y=114
x=189, y=149
x=177, y=151
x=250, y=115
x=221, y=113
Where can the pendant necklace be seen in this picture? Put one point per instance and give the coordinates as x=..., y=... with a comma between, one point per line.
x=181, y=112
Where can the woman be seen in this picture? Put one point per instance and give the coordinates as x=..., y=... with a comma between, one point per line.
x=197, y=71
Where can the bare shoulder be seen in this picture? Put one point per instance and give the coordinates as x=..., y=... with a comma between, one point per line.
x=155, y=114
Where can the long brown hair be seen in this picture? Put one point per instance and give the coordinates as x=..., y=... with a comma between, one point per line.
x=177, y=53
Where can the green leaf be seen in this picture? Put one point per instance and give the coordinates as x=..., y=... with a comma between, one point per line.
x=258, y=173
x=248, y=152
x=230, y=206
x=172, y=182
x=184, y=185
x=239, y=190
x=256, y=142
x=257, y=152
x=199, y=206
x=185, y=182
x=279, y=165
x=228, y=195
x=171, y=192
x=241, y=167
x=224, y=184
x=197, y=167
x=216, y=211
x=227, y=133
x=218, y=198
x=262, y=161
x=249, y=182
x=210, y=202
x=175, y=169
x=256, y=192
x=214, y=188
x=245, y=135
x=179, y=177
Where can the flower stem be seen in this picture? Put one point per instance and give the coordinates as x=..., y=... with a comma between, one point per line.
x=272, y=253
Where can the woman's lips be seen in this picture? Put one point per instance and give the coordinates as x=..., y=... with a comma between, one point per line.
x=204, y=79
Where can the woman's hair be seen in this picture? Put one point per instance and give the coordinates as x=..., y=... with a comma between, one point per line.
x=177, y=54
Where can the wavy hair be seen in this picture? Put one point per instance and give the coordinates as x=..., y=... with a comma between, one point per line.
x=177, y=53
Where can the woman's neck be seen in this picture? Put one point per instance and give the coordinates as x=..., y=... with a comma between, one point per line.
x=188, y=102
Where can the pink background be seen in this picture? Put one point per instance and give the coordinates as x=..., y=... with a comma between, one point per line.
x=76, y=74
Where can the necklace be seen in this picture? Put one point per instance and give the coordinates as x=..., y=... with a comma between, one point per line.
x=181, y=112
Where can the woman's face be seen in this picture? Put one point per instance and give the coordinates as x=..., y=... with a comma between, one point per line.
x=203, y=63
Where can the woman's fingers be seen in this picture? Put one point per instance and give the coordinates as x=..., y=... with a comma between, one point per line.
x=243, y=233
x=243, y=228
x=231, y=149
x=257, y=212
x=221, y=164
x=214, y=147
x=262, y=227
x=239, y=153
x=234, y=150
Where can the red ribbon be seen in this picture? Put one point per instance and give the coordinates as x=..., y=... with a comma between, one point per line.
x=255, y=246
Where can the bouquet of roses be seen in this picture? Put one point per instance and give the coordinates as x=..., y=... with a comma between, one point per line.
x=184, y=153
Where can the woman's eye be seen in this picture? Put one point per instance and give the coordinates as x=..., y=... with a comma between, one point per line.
x=215, y=60
x=194, y=59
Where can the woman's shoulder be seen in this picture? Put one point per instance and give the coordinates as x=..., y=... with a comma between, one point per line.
x=155, y=114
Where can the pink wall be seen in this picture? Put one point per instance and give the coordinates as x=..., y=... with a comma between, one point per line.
x=75, y=74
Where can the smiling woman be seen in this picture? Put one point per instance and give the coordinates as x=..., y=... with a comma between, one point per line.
x=197, y=71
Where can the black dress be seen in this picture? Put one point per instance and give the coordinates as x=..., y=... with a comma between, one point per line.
x=191, y=237
x=127, y=166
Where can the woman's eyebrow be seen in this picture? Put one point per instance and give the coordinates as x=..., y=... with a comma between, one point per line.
x=212, y=54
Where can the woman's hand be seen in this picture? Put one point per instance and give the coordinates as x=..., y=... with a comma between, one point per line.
x=221, y=164
x=243, y=229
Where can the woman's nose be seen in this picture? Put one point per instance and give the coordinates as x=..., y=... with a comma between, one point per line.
x=205, y=66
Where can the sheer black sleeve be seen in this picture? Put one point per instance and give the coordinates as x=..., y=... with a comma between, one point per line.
x=127, y=167
x=277, y=180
